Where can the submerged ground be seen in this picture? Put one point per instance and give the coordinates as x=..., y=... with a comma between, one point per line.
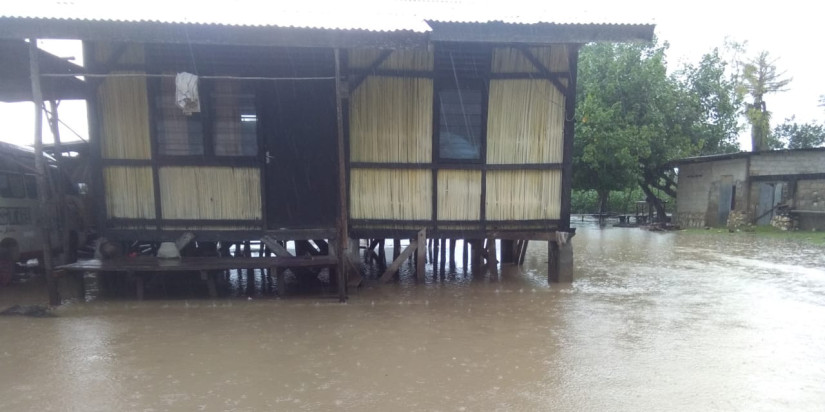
x=655, y=321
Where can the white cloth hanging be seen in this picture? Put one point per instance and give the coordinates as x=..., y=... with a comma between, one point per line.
x=186, y=93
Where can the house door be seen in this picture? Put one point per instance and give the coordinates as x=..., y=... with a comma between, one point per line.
x=299, y=126
x=770, y=195
x=725, y=199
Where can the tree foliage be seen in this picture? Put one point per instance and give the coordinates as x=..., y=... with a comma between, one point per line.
x=792, y=135
x=760, y=77
x=634, y=118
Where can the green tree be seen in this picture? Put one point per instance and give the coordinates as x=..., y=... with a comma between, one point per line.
x=760, y=77
x=614, y=89
x=634, y=118
x=792, y=135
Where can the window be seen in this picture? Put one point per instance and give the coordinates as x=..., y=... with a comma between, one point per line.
x=12, y=186
x=235, y=121
x=178, y=133
x=461, y=101
x=226, y=125
x=459, y=124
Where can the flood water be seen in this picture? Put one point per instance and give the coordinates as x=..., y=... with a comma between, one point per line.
x=654, y=321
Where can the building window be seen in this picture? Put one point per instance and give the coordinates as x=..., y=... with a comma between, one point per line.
x=226, y=125
x=178, y=134
x=459, y=124
x=235, y=120
x=461, y=102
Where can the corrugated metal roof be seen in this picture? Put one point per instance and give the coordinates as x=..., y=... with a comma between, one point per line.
x=368, y=15
x=738, y=155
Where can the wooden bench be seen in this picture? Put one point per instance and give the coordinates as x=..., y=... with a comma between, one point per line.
x=137, y=266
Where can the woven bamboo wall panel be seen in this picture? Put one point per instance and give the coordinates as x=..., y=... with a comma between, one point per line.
x=523, y=194
x=512, y=60
x=133, y=54
x=459, y=195
x=402, y=194
x=391, y=120
x=129, y=192
x=124, y=118
x=210, y=193
x=403, y=59
x=525, y=122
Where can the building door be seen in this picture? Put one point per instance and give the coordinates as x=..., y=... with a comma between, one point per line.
x=300, y=132
x=725, y=199
x=770, y=195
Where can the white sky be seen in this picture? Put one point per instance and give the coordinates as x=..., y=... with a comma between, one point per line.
x=790, y=31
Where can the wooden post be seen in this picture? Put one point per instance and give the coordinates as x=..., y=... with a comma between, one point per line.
x=507, y=253
x=492, y=260
x=40, y=165
x=396, y=264
x=476, y=245
x=523, y=251
x=464, y=254
x=443, y=262
x=396, y=248
x=420, y=256
x=452, y=252
x=382, y=253
x=552, y=262
x=342, y=220
x=60, y=189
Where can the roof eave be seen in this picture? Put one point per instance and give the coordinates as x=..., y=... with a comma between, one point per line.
x=162, y=32
x=538, y=33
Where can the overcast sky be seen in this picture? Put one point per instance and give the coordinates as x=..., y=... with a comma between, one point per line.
x=789, y=30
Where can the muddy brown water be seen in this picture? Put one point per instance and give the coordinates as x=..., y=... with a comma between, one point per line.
x=654, y=321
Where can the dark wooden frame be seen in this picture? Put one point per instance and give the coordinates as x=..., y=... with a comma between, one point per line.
x=432, y=225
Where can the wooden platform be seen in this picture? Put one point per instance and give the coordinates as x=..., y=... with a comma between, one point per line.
x=137, y=266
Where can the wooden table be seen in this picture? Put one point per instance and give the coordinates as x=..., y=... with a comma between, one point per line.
x=136, y=266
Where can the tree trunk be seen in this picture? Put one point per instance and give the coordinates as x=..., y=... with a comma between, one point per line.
x=655, y=201
x=604, y=195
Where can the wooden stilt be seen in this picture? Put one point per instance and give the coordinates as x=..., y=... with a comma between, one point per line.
x=464, y=257
x=507, y=251
x=392, y=270
x=523, y=251
x=382, y=253
x=443, y=262
x=452, y=252
x=552, y=262
x=492, y=260
x=476, y=246
x=40, y=166
x=420, y=265
x=396, y=248
x=275, y=246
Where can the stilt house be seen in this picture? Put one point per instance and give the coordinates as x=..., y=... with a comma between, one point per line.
x=387, y=128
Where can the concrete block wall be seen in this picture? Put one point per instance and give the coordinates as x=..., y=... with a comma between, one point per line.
x=787, y=163
x=698, y=191
x=810, y=195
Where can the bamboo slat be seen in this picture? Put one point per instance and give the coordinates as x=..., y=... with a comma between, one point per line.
x=402, y=194
x=523, y=194
x=511, y=60
x=124, y=117
x=134, y=53
x=402, y=59
x=525, y=122
x=391, y=120
x=459, y=195
x=210, y=193
x=129, y=192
